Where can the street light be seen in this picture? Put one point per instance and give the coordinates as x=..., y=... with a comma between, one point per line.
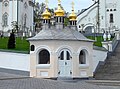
x=98, y=14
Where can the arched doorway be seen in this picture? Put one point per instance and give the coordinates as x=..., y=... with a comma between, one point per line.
x=65, y=65
x=88, y=30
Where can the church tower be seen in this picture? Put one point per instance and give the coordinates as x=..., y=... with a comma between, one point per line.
x=72, y=18
x=59, y=16
x=16, y=11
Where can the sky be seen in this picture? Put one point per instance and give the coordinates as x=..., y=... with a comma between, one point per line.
x=79, y=4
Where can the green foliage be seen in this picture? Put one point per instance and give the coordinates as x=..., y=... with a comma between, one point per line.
x=3, y=43
x=21, y=45
x=98, y=40
x=66, y=21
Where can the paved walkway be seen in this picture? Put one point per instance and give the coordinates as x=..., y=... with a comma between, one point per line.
x=13, y=81
x=8, y=76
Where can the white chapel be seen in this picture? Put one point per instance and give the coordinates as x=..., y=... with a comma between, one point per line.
x=59, y=50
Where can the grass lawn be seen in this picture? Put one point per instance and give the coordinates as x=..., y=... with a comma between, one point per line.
x=21, y=45
x=98, y=39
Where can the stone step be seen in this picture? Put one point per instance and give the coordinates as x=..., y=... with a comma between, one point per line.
x=108, y=76
x=104, y=82
x=111, y=68
x=66, y=79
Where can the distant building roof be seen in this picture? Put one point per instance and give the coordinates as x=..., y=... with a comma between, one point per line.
x=83, y=10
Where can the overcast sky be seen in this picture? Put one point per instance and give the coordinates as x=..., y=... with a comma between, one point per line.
x=79, y=4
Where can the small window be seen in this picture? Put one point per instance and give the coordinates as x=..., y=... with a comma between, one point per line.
x=5, y=19
x=43, y=21
x=6, y=4
x=79, y=26
x=25, y=5
x=57, y=19
x=60, y=19
x=75, y=22
x=111, y=18
x=114, y=9
x=44, y=57
x=110, y=9
x=82, y=57
x=32, y=47
x=62, y=55
x=101, y=17
x=70, y=22
x=68, y=55
x=107, y=9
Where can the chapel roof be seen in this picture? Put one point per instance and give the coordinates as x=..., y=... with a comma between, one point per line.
x=59, y=34
x=84, y=10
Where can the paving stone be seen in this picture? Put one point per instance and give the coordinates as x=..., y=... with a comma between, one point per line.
x=35, y=83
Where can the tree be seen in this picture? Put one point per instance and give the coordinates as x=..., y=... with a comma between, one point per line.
x=11, y=41
x=66, y=22
x=38, y=10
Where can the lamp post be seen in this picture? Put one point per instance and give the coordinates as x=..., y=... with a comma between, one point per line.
x=98, y=15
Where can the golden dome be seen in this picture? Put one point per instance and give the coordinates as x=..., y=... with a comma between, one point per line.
x=72, y=16
x=59, y=11
x=46, y=14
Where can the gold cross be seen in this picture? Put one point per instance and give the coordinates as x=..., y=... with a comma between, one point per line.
x=59, y=1
x=46, y=1
x=73, y=5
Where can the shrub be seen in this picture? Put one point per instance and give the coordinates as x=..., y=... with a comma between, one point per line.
x=11, y=41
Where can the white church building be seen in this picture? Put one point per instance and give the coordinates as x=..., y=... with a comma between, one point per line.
x=103, y=12
x=59, y=50
x=20, y=11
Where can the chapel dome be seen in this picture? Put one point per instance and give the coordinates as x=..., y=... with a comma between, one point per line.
x=59, y=11
x=46, y=14
x=72, y=16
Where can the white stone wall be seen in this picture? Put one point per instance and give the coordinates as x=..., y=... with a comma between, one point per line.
x=10, y=14
x=113, y=5
x=29, y=14
x=15, y=61
x=98, y=56
x=20, y=61
x=0, y=16
x=11, y=9
x=104, y=15
x=54, y=49
x=88, y=18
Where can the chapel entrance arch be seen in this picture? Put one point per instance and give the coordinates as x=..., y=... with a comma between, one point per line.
x=65, y=63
